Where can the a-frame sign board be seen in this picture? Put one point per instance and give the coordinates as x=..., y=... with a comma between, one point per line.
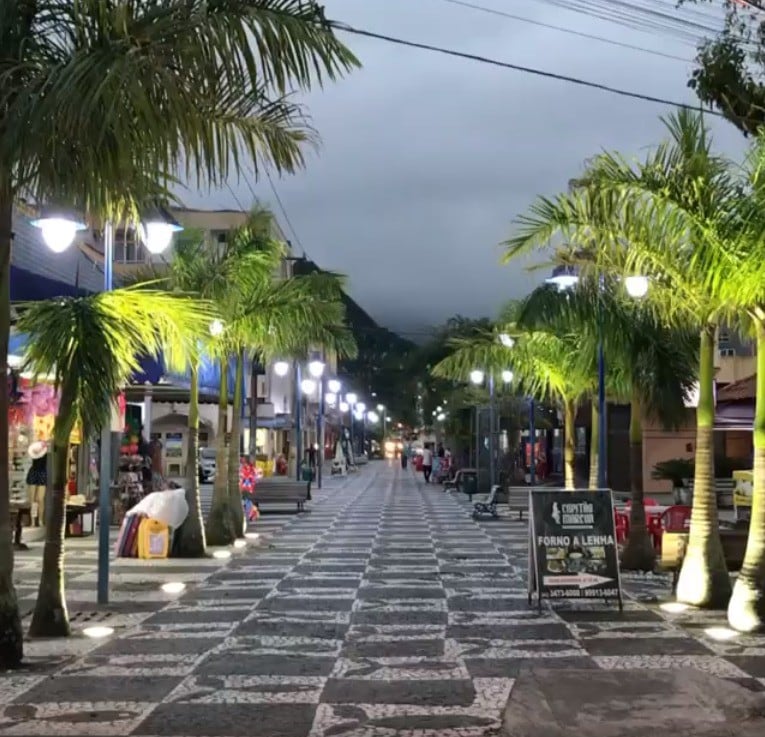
x=572, y=545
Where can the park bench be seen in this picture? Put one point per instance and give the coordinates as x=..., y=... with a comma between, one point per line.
x=280, y=492
x=458, y=482
x=518, y=499
x=489, y=507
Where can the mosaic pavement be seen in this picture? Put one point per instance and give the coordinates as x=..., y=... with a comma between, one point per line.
x=384, y=612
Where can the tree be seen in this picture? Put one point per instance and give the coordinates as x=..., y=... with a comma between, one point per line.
x=545, y=365
x=90, y=345
x=264, y=315
x=670, y=210
x=651, y=366
x=730, y=67
x=99, y=95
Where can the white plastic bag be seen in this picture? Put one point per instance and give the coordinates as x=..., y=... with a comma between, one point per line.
x=169, y=507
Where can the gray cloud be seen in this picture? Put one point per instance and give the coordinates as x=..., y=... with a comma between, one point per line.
x=426, y=160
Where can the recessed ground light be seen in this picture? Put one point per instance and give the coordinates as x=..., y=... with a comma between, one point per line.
x=252, y=535
x=173, y=587
x=240, y=543
x=222, y=554
x=98, y=632
x=673, y=607
x=720, y=633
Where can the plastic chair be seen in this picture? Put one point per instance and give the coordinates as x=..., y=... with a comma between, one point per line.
x=622, y=526
x=677, y=519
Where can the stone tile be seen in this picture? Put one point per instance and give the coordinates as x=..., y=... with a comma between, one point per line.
x=261, y=664
x=295, y=604
x=394, y=649
x=398, y=617
x=418, y=592
x=508, y=631
x=752, y=666
x=609, y=615
x=511, y=667
x=229, y=720
x=651, y=645
x=198, y=616
x=326, y=630
x=425, y=692
x=66, y=689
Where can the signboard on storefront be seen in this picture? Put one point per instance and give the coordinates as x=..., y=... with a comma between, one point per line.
x=572, y=543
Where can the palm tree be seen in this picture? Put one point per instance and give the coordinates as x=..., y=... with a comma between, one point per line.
x=670, y=209
x=545, y=365
x=90, y=345
x=651, y=366
x=99, y=95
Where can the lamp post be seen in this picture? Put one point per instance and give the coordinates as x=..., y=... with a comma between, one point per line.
x=58, y=231
x=316, y=369
x=566, y=277
x=477, y=377
x=351, y=398
x=361, y=409
x=382, y=410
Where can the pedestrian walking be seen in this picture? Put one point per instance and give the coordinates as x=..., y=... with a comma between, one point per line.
x=427, y=463
x=404, y=458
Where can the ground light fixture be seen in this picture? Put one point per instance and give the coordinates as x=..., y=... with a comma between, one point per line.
x=334, y=386
x=240, y=543
x=58, y=229
x=476, y=376
x=316, y=369
x=308, y=386
x=173, y=587
x=281, y=368
x=673, y=607
x=98, y=632
x=721, y=634
x=252, y=535
x=222, y=554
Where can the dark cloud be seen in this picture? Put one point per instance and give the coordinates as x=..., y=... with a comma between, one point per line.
x=426, y=160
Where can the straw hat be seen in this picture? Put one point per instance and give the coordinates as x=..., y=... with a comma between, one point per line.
x=37, y=449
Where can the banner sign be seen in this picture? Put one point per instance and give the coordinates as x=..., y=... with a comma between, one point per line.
x=572, y=540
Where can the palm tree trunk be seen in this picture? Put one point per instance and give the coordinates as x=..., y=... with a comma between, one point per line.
x=638, y=553
x=234, y=459
x=594, y=445
x=190, y=537
x=50, y=617
x=704, y=580
x=220, y=525
x=569, y=444
x=11, y=635
x=746, y=611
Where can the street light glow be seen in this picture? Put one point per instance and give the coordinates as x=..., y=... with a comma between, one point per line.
x=361, y=407
x=506, y=340
x=316, y=369
x=334, y=386
x=216, y=328
x=636, y=286
x=358, y=414
x=476, y=376
x=351, y=398
x=344, y=406
x=330, y=398
x=58, y=232
x=281, y=368
x=157, y=235
x=308, y=386
x=372, y=416
x=507, y=376
x=441, y=417
x=380, y=407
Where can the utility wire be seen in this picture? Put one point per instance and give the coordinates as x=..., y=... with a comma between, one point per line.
x=518, y=68
x=284, y=211
x=563, y=29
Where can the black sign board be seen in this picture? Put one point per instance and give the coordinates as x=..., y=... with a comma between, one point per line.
x=572, y=545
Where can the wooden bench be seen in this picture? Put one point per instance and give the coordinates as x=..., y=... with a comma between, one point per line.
x=282, y=492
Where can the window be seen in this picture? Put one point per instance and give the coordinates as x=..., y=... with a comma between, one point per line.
x=727, y=352
x=128, y=248
x=222, y=237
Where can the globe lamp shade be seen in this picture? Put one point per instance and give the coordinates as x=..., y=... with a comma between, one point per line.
x=308, y=386
x=58, y=231
x=334, y=386
x=476, y=376
x=281, y=368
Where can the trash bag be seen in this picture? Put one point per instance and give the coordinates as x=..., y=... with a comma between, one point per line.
x=169, y=507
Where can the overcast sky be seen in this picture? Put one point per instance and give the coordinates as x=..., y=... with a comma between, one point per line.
x=426, y=160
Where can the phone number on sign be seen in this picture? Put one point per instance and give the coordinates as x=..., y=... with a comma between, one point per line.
x=583, y=593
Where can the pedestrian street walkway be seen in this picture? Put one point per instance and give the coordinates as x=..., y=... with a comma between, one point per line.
x=385, y=611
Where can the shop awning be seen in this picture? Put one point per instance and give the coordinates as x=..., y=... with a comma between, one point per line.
x=734, y=416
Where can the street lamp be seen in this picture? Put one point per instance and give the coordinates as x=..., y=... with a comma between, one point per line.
x=506, y=340
x=344, y=407
x=316, y=369
x=159, y=227
x=507, y=376
x=216, y=328
x=281, y=368
x=476, y=377
x=334, y=386
x=308, y=386
x=351, y=398
x=330, y=398
x=58, y=231
x=637, y=287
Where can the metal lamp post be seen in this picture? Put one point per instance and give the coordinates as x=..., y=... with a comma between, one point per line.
x=58, y=231
x=351, y=398
x=316, y=369
x=565, y=277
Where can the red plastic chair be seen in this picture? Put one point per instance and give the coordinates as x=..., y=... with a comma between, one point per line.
x=677, y=519
x=622, y=521
x=647, y=502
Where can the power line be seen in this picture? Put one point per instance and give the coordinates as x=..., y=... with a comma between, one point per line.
x=518, y=68
x=284, y=210
x=563, y=29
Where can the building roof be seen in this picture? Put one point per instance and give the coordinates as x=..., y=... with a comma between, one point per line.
x=738, y=391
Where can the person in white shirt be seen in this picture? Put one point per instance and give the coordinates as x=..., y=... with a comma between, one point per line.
x=427, y=463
